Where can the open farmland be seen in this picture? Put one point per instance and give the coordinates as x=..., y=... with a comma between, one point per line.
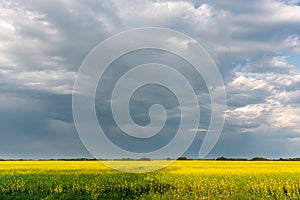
x=181, y=180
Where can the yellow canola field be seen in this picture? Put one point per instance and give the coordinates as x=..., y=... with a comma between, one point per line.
x=180, y=180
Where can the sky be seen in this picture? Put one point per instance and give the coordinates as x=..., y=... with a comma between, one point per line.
x=256, y=47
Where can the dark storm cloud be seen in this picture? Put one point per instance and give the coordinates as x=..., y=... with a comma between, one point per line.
x=38, y=126
x=44, y=43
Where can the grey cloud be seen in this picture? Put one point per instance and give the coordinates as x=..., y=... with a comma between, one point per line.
x=67, y=30
x=39, y=127
x=44, y=43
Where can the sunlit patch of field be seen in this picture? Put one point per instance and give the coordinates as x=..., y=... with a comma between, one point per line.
x=181, y=180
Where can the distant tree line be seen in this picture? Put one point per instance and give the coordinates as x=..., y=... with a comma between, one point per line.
x=257, y=159
x=243, y=159
x=231, y=159
x=222, y=158
x=138, y=159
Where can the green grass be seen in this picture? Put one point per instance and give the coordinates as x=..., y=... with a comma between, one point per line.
x=181, y=180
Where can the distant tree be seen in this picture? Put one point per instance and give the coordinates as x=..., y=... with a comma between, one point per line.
x=144, y=159
x=221, y=158
x=296, y=159
x=231, y=159
x=259, y=159
x=182, y=158
x=125, y=159
x=168, y=158
x=289, y=159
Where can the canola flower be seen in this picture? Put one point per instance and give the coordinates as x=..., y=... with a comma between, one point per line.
x=181, y=180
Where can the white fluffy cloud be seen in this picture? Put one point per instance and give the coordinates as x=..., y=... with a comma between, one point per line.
x=270, y=99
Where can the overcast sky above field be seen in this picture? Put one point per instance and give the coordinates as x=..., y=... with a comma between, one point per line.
x=256, y=45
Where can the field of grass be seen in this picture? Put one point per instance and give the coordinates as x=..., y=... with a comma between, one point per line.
x=181, y=180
